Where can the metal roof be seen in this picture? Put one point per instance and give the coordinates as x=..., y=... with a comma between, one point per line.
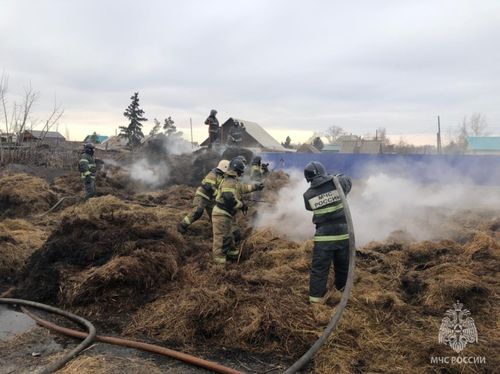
x=483, y=143
x=99, y=138
x=261, y=135
x=47, y=134
x=331, y=148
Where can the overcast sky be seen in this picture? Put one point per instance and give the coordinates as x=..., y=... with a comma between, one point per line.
x=292, y=66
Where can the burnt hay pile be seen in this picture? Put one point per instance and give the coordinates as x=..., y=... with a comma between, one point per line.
x=18, y=240
x=105, y=255
x=22, y=194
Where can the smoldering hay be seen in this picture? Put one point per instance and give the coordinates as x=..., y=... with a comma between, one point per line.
x=124, y=264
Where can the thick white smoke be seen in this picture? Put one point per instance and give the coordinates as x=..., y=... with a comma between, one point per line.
x=175, y=144
x=151, y=175
x=380, y=206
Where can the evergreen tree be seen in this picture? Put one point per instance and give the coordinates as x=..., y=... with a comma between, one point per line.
x=169, y=126
x=156, y=128
x=133, y=132
x=287, y=143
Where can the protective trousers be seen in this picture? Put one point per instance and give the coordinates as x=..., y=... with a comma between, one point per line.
x=212, y=137
x=89, y=186
x=324, y=253
x=225, y=233
x=200, y=204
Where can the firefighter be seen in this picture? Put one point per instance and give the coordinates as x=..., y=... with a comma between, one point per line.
x=87, y=169
x=236, y=134
x=228, y=202
x=331, y=240
x=204, y=196
x=213, y=128
x=258, y=170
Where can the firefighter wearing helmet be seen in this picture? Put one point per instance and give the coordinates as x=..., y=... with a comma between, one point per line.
x=87, y=167
x=204, y=198
x=331, y=240
x=228, y=203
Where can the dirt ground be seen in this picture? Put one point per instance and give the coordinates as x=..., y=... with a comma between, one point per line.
x=119, y=261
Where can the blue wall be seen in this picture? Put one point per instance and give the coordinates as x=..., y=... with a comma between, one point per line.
x=425, y=168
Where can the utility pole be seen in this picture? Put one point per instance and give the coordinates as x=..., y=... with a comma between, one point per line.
x=191, y=125
x=439, y=151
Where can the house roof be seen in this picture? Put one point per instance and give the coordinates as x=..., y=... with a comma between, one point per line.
x=308, y=148
x=48, y=134
x=261, y=135
x=331, y=148
x=484, y=143
x=100, y=138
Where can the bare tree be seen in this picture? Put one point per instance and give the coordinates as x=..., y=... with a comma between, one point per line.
x=477, y=124
x=18, y=117
x=332, y=133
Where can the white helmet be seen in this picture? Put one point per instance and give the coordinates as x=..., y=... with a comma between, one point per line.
x=223, y=165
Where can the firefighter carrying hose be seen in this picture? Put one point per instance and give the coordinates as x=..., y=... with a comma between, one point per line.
x=228, y=202
x=87, y=168
x=331, y=240
x=204, y=198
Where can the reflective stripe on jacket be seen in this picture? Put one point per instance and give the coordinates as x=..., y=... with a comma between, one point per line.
x=209, y=185
x=87, y=166
x=328, y=211
x=229, y=195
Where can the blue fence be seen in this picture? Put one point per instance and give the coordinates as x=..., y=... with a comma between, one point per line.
x=475, y=169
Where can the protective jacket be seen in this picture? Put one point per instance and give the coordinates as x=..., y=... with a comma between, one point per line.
x=236, y=134
x=323, y=199
x=87, y=166
x=210, y=184
x=213, y=123
x=229, y=195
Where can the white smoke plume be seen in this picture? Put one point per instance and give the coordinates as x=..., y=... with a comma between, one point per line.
x=175, y=144
x=151, y=175
x=380, y=206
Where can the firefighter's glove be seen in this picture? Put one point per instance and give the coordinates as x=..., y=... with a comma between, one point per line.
x=259, y=186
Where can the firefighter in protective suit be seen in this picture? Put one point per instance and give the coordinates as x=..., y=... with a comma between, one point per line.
x=204, y=196
x=228, y=202
x=258, y=170
x=213, y=128
x=331, y=240
x=87, y=168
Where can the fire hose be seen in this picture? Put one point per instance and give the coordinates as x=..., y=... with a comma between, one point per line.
x=89, y=337
x=306, y=357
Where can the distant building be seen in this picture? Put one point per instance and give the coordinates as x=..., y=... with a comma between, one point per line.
x=307, y=148
x=6, y=137
x=46, y=136
x=483, y=145
x=331, y=148
x=113, y=143
x=98, y=139
x=254, y=136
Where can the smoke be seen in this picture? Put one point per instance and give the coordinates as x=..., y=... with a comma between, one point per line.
x=382, y=205
x=151, y=175
x=175, y=144
x=288, y=217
